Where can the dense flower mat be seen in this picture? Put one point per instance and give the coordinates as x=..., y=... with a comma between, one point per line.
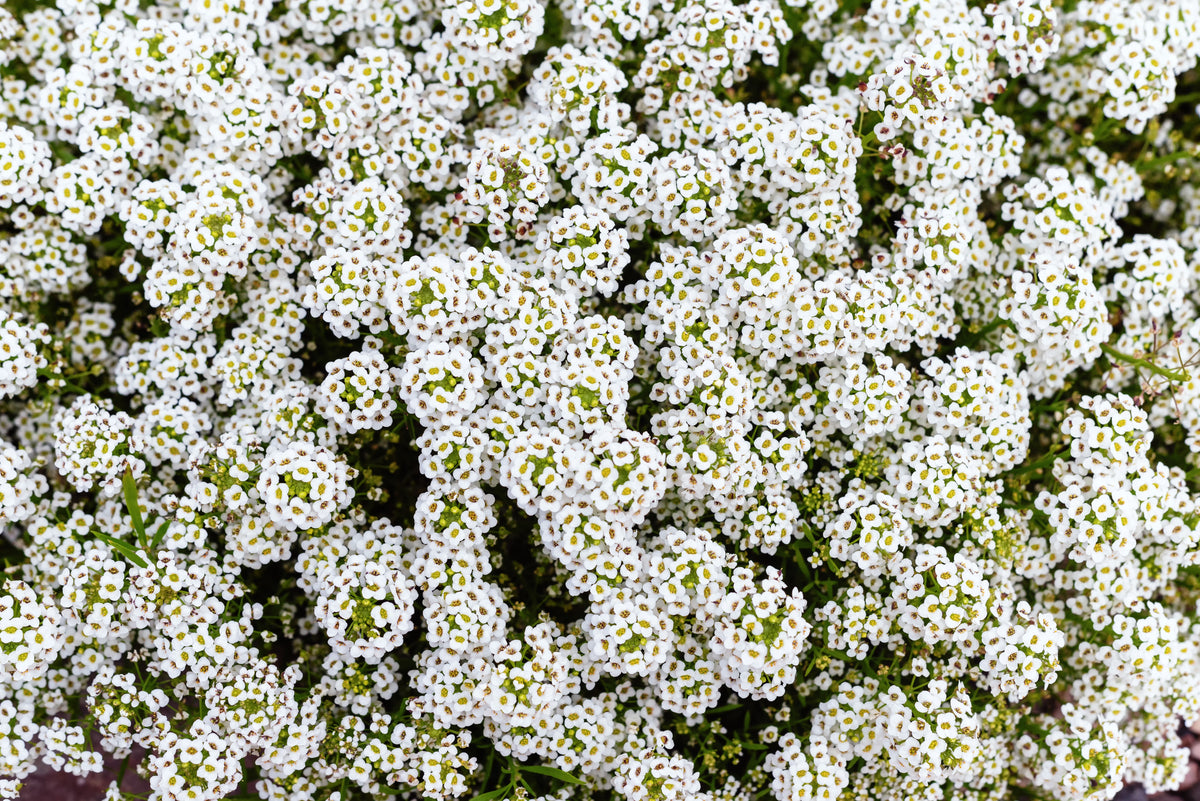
x=616, y=399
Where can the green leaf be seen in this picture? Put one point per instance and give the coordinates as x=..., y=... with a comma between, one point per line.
x=159, y=535
x=755, y=746
x=555, y=773
x=131, y=502
x=722, y=709
x=492, y=794
x=124, y=548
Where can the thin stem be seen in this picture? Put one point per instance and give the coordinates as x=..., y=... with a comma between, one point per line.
x=1170, y=375
x=121, y=770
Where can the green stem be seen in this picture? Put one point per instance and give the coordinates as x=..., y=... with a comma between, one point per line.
x=121, y=770
x=1170, y=375
x=1145, y=166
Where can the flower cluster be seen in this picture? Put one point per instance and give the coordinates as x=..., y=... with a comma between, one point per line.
x=693, y=400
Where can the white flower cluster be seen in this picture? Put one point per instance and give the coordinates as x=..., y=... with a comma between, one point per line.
x=364, y=598
x=691, y=400
x=21, y=356
x=31, y=632
x=303, y=486
x=357, y=392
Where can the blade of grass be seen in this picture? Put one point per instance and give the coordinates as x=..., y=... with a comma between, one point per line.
x=129, y=484
x=124, y=548
x=159, y=535
x=554, y=773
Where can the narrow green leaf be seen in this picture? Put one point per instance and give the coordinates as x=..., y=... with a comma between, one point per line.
x=755, y=746
x=124, y=548
x=131, y=503
x=492, y=794
x=555, y=773
x=722, y=709
x=159, y=535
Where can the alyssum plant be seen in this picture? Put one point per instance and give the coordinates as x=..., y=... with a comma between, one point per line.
x=608, y=399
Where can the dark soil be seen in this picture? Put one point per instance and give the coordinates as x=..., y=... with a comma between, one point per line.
x=48, y=785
